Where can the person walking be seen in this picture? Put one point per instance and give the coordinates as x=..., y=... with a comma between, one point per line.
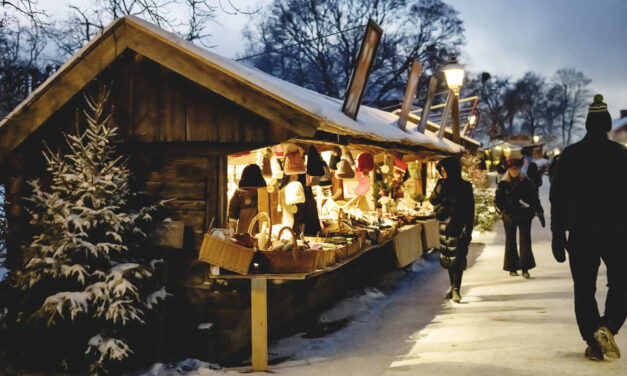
x=594, y=167
x=517, y=199
x=454, y=205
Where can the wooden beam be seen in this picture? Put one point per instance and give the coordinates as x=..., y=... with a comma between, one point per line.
x=185, y=62
x=259, y=323
x=455, y=119
x=433, y=85
x=446, y=113
x=410, y=93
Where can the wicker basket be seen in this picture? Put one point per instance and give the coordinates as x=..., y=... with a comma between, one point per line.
x=251, y=228
x=225, y=254
x=293, y=261
x=385, y=234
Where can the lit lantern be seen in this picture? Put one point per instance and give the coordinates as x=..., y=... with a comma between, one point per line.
x=454, y=73
x=536, y=139
x=556, y=151
x=472, y=119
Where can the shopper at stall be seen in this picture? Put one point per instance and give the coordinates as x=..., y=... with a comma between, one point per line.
x=589, y=200
x=243, y=203
x=518, y=202
x=454, y=206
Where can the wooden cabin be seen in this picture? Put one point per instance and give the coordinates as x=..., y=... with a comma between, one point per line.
x=181, y=111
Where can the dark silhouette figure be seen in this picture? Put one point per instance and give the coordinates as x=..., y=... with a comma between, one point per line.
x=517, y=199
x=589, y=200
x=454, y=206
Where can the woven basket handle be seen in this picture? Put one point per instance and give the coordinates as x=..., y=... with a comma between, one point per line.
x=294, y=244
x=254, y=221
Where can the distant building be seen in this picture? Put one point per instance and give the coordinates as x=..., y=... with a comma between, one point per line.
x=619, y=128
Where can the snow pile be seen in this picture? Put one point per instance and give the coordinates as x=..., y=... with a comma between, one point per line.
x=187, y=367
x=3, y=271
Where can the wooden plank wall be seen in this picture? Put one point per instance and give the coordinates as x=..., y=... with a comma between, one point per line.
x=166, y=107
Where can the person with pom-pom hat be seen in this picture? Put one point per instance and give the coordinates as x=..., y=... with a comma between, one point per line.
x=589, y=201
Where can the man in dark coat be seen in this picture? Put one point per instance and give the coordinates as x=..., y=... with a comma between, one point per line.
x=454, y=206
x=589, y=200
x=517, y=199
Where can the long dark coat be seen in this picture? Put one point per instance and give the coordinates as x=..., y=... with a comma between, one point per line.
x=518, y=200
x=454, y=206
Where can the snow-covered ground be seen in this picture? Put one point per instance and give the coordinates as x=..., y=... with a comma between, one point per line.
x=403, y=326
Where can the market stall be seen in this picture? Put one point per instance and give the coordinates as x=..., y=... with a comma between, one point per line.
x=182, y=113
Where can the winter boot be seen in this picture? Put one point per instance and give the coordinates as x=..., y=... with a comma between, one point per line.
x=449, y=294
x=594, y=352
x=513, y=274
x=526, y=275
x=455, y=295
x=605, y=338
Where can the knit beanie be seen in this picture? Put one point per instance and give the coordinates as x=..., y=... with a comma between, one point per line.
x=598, y=119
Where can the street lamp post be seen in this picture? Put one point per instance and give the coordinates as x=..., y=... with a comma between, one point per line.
x=454, y=73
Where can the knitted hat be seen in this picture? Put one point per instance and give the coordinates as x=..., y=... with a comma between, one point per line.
x=294, y=193
x=314, y=162
x=365, y=162
x=252, y=177
x=514, y=162
x=598, y=120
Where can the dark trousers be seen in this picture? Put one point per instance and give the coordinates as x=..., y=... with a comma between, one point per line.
x=586, y=251
x=455, y=276
x=513, y=261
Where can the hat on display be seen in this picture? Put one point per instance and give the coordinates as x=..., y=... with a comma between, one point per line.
x=365, y=162
x=598, y=119
x=294, y=163
x=336, y=154
x=314, y=162
x=514, y=162
x=252, y=177
x=363, y=185
x=294, y=193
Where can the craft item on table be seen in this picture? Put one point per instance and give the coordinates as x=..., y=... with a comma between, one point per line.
x=365, y=162
x=294, y=193
x=314, y=162
x=364, y=183
x=264, y=160
x=252, y=177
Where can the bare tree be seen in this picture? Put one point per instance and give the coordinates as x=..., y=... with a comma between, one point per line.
x=86, y=21
x=498, y=104
x=315, y=43
x=529, y=91
x=27, y=9
x=21, y=67
x=571, y=95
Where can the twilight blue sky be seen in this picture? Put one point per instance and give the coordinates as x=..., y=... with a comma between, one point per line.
x=507, y=37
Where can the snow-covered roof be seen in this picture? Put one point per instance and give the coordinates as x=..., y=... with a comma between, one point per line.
x=182, y=57
x=619, y=123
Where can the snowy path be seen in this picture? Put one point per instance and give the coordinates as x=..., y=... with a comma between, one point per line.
x=504, y=326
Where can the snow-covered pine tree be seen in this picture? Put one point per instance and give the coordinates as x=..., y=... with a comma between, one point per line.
x=89, y=287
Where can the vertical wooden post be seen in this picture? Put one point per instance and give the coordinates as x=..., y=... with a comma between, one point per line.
x=446, y=113
x=259, y=323
x=424, y=115
x=455, y=119
x=410, y=93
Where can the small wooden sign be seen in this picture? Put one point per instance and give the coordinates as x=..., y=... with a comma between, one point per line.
x=359, y=78
x=410, y=93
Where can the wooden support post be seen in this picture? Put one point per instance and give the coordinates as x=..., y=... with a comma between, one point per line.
x=259, y=323
x=424, y=115
x=446, y=113
x=455, y=119
x=410, y=93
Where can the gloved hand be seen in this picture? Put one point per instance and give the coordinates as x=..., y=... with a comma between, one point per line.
x=542, y=220
x=558, y=245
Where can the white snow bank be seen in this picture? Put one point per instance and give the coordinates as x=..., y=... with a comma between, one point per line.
x=619, y=123
x=187, y=367
x=3, y=271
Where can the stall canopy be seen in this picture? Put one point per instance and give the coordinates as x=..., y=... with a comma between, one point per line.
x=300, y=110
